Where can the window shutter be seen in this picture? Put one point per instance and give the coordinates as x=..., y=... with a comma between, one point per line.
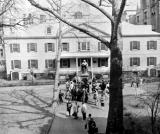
x=131, y=45
x=68, y=63
x=19, y=64
x=54, y=63
x=11, y=48
x=46, y=63
x=131, y=61
x=61, y=63
x=36, y=63
x=29, y=64
x=147, y=45
x=88, y=45
x=18, y=47
x=28, y=47
x=79, y=62
x=68, y=47
x=98, y=62
x=147, y=61
x=138, y=61
x=45, y=46
x=138, y=43
x=155, y=45
x=79, y=46
x=99, y=46
x=53, y=47
x=89, y=62
x=155, y=61
x=36, y=47
x=12, y=64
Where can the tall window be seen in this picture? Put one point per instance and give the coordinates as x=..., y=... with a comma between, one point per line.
x=65, y=63
x=65, y=46
x=151, y=61
x=15, y=64
x=135, y=45
x=50, y=63
x=152, y=45
x=15, y=47
x=135, y=61
x=32, y=64
x=42, y=18
x=49, y=47
x=102, y=46
x=32, y=47
x=83, y=46
x=49, y=30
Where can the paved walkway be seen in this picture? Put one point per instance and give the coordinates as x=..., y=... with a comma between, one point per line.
x=63, y=124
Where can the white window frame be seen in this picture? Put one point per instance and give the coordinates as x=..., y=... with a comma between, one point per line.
x=151, y=45
x=86, y=44
x=13, y=64
x=15, y=47
x=30, y=45
x=66, y=48
x=47, y=48
x=31, y=63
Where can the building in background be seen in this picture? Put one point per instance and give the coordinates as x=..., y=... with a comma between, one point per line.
x=32, y=49
x=148, y=13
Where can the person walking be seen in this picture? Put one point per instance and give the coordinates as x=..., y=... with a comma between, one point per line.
x=69, y=106
x=84, y=110
x=75, y=110
x=60, y=96
x=91, y=125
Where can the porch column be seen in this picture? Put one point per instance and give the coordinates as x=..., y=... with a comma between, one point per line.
x=77, y=65
x=92, y=67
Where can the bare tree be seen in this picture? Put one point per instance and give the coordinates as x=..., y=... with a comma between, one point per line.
x=152, y=101
x=8, y=13
x=115, y=115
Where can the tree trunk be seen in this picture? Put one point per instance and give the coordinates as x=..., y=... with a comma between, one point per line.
x=115, y=115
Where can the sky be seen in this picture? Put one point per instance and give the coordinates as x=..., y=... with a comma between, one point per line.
x=132, y=4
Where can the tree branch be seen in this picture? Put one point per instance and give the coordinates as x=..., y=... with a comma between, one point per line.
x=123, y=3
x=100, y=9
x=33, y=3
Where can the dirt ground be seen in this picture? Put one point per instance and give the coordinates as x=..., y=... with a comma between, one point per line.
x=24, y=109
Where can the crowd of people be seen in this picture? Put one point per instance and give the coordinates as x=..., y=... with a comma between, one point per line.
x=77, y=95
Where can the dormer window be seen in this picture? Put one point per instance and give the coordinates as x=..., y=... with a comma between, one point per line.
x=49, y=30
x=78, y=15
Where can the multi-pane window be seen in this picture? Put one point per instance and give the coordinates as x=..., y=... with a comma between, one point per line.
x=50, y=63
x=135, y=45
x=15, y=64
x=151, y=61
x=152, y=45
x=49, y=47
x=102, y=46
x=102, y=62
x=83, y=46
x=32, y=64
x=42, y=18
x=15, y=47
x=65, y=63
x=65, y=46
x=135, y=61
x=78, y=15
x=32, y=47
x=49, y=30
